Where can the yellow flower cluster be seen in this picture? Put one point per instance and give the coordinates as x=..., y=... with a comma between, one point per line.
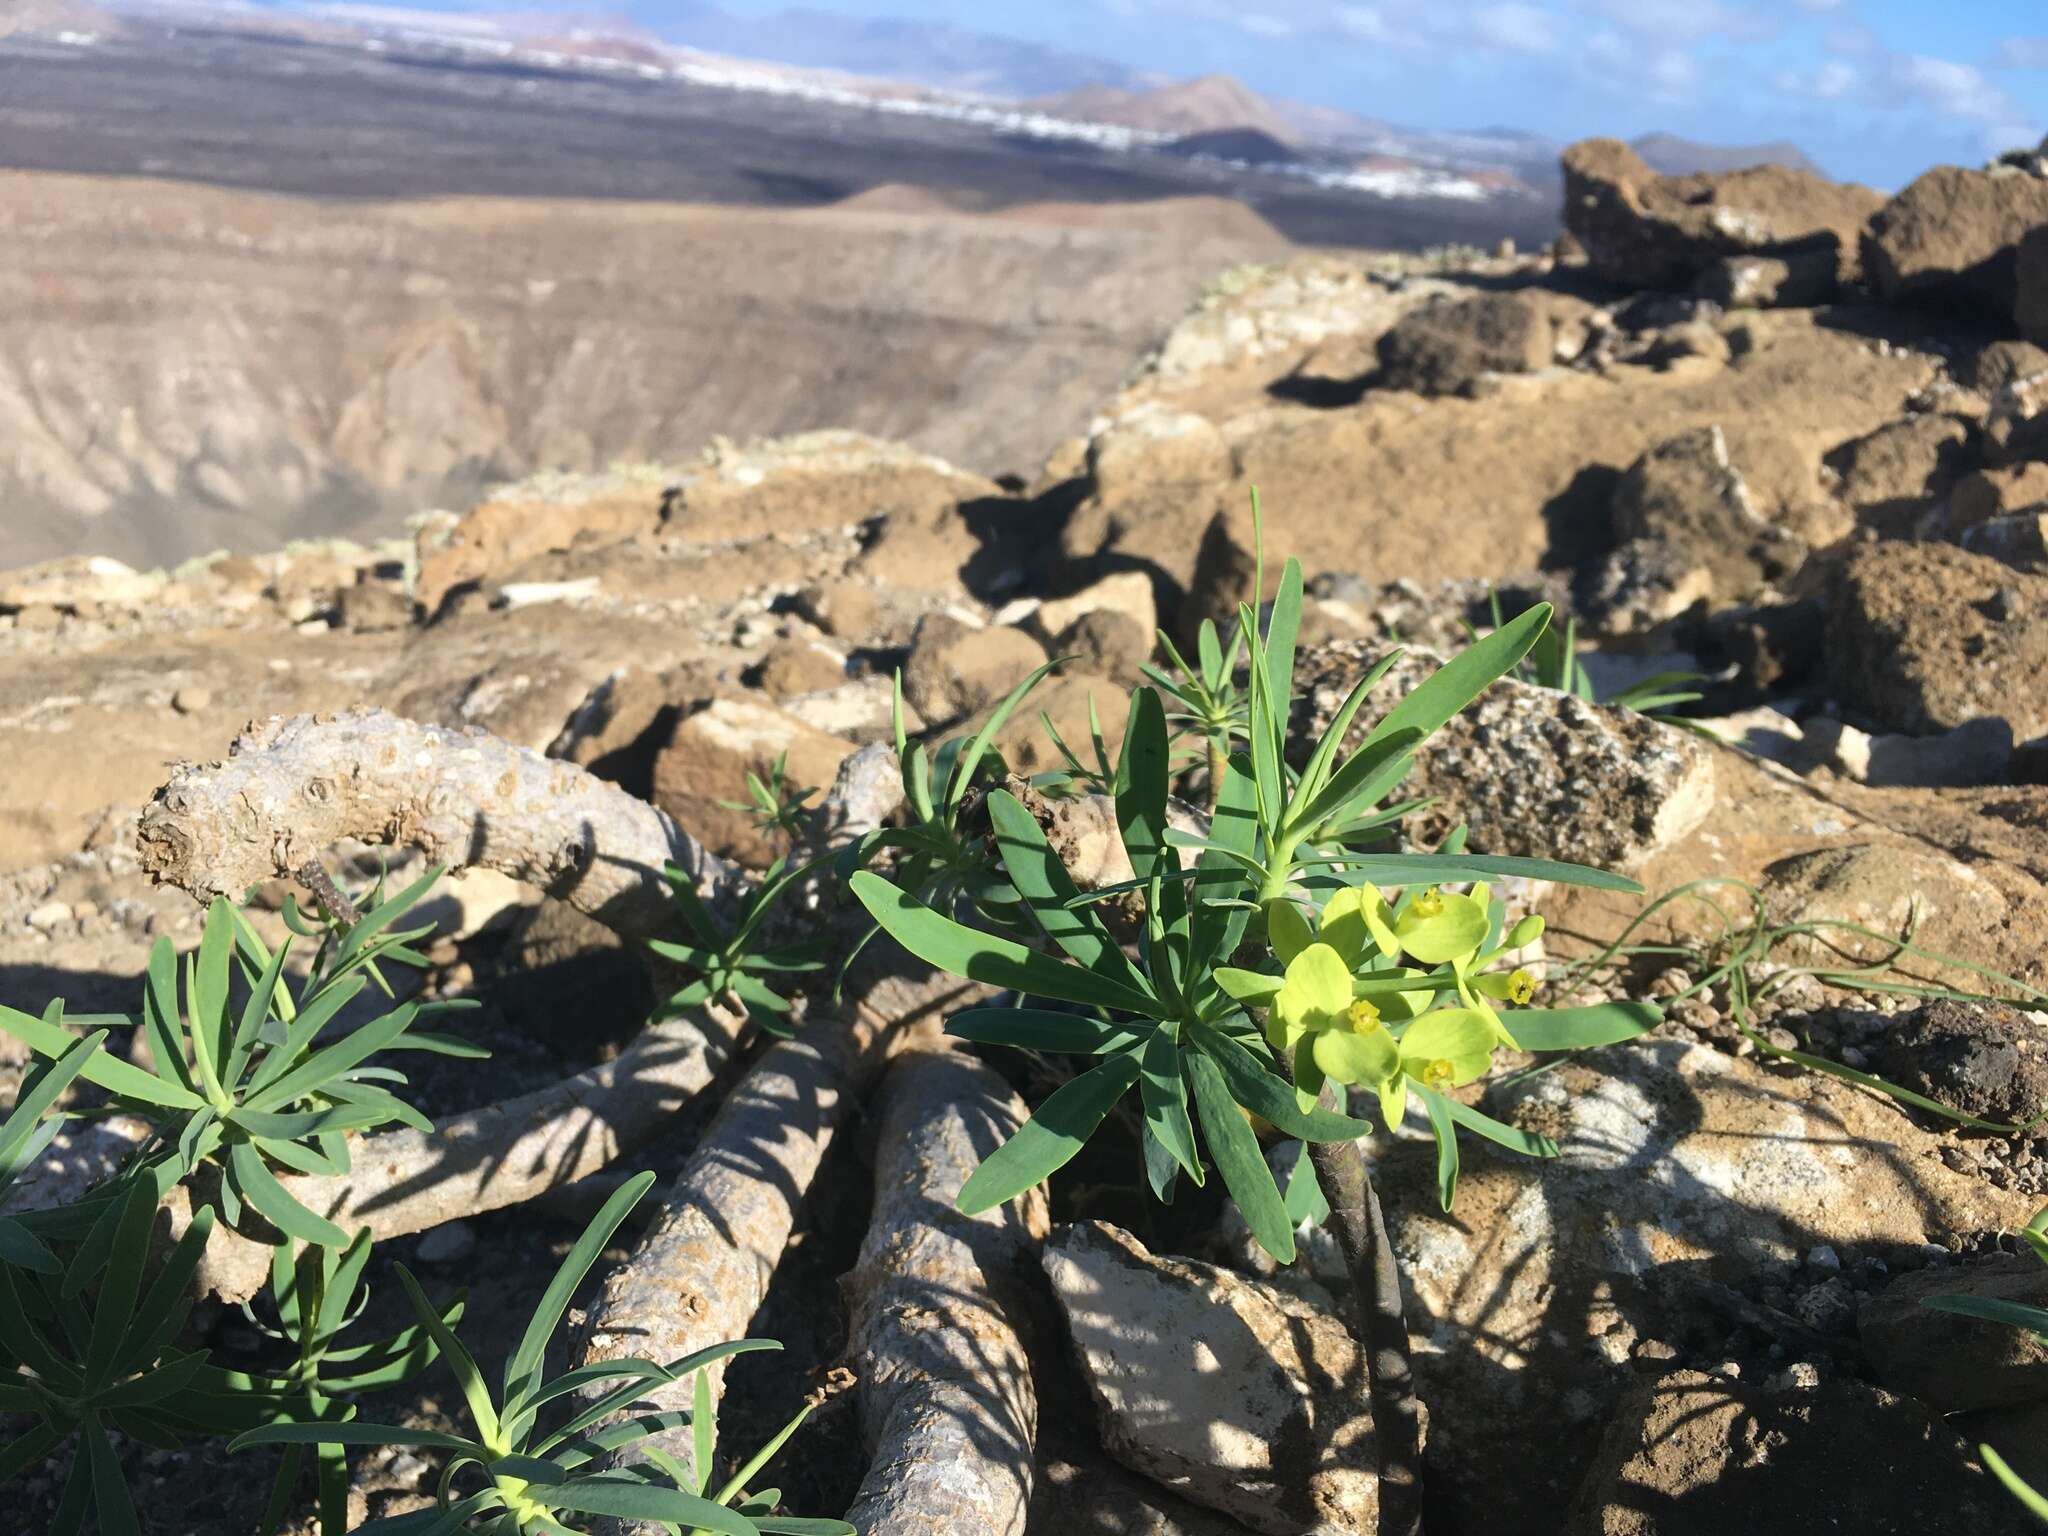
x=1384, y=1039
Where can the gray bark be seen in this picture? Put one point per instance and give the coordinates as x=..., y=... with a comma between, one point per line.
x=291, y=788
x=947, y=1403
x=704, y=1268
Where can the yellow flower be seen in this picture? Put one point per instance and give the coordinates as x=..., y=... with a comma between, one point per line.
x=1351, y=1043
x=1441, y=925
x=1442, y=1049
x=1517, y=986
x=1346, y=1037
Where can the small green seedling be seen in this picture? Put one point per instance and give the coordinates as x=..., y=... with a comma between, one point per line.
x=248, y=1090
x=772, y=804
x=318, y=1294
x=1204, y=699
x=540, y=1479
x=95, y=1351
x=730, y=967
x=1553, y=662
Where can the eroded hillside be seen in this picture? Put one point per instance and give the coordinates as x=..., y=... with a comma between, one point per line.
x=184, y=369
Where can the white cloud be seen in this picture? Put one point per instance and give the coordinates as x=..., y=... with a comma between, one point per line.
x=1363, y=22
x=1833, y=80
x=1952, y=89
x=2024, y=53
x=1685, y=21
x=1817, y=6
x=1963, y=92
x=1261, y=25
x=1670, y=74
x=1514, y=27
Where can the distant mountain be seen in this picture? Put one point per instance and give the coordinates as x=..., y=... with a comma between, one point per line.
x=1669, y=155
x=1211, y=104
x=939, y=54
x=1249, y=146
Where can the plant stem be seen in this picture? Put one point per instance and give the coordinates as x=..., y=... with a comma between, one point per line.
x=1377, y=1318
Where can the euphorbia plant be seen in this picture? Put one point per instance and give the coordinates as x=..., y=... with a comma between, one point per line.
x=543, y=1451
x=1269, y=963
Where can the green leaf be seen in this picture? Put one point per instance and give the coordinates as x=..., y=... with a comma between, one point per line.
x=2016, y=1485
x=121, y=1286
x=624, y=1499
x=984, y=957
x=1255, y=988
x=208, y=994
x=351, y=1432
x=1051, y=1137
x=1436, y=868
x=1164, y=1093
x=111, y=1503
x=1268, y=765
x=1315, y=773
x=640, y=1372
x=38, y=1095
x=1304, y=1194
x=736, y=1485
x=1466, y=676
x=1042, y=881
x=1040, y=1029
x=329, y=1062
x=276, y=1204
x=311, y=1019
x=254, y=1014
x=384, y=914
x=109, y=1072
x=1446, y=1129
x=523, y=1368
x=1270, y=1096
x=160, y=1014
x=460, y=1361
x=168, y=1301
x=1524, y=1142
x=703, y=1432
x=1220, y=872
x=1239, y=1159
x=954, y=789
x=1571, y=1029
x=1365, y=776
x=24, y=1250
x=1990, y=1309
x=1141, y=775
x=1277, y=655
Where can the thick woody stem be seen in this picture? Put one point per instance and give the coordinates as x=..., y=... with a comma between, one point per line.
x=1361, y=1233
x=291, y=788
x=946, y=1397
x=703, y=1270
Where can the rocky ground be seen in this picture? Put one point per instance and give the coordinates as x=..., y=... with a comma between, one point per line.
x=1787, y=435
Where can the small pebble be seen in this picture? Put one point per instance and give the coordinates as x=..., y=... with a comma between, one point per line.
x=1822, y=1257
x=449, y=1243
x=1798, y=1376
x=50, y=916
x=191, y=701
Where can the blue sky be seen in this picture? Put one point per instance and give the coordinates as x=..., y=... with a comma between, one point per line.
x=1875, y=90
